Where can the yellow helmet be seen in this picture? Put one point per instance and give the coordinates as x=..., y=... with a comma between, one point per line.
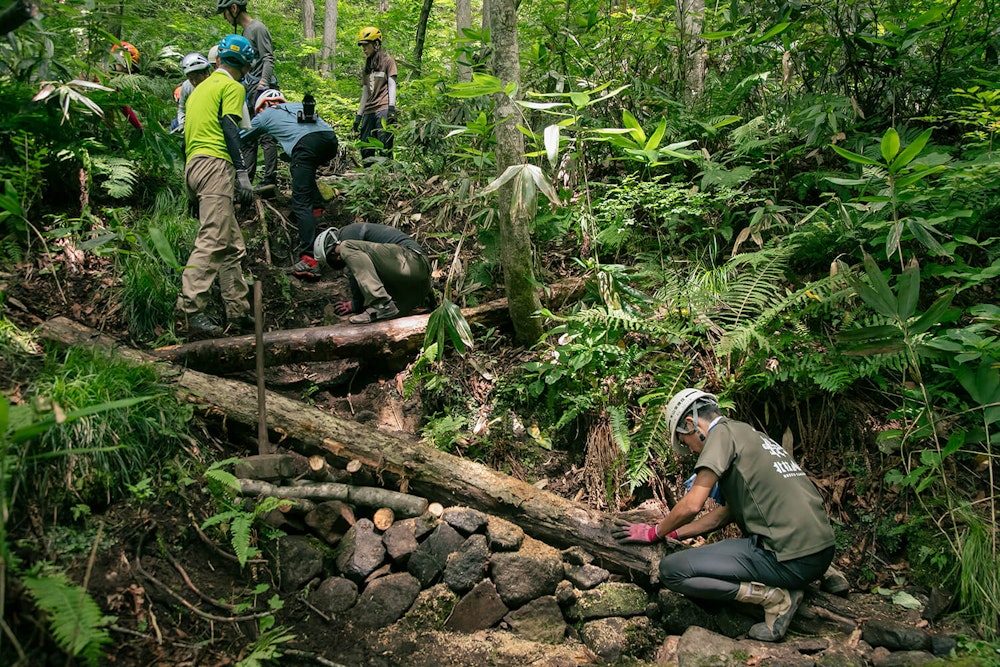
x=369, y=34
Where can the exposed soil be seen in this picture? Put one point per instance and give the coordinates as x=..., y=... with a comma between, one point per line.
x=173, y=588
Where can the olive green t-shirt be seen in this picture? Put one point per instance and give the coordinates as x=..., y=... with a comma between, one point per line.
x=766, y=491
x=215, y=97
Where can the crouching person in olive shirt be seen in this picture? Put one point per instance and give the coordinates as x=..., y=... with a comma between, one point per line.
x=389, y=272
x=789, y=538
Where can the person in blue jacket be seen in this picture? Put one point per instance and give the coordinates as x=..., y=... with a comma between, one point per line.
x=310, y=142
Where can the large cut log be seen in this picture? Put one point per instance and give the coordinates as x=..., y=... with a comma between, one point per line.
x=369, y=496
x=424, y=470
x=397, y=339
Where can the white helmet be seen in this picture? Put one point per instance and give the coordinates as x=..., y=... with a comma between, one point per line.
x=269, y=95
x=213, y=54
x=325, y=243
x=193, y=62
x=685, y=402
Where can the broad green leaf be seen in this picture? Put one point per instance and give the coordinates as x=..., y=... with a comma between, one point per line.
x=854, y=157
x=481, y=84
x=552, y=144
x=929, y=16
x=846, y=181
x=909, y=290
x=905, y=600
x=910, y=152
x=868, y=334
x=892, y=239
x=880, y=286
x=910, y=179
x=654, y=141
x=890, y=145
x=922, y=233
x=163, y=248
x=632, y=124
x=720, y=34
x=776, y=30
x=579, y=99
x=932, y=315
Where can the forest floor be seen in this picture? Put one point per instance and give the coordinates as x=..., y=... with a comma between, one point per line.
x=182, y=610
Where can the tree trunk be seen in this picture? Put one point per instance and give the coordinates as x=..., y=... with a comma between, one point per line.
x=309, y=29
x=329, y=49
x=393, y=340
x=693, y=49
x=418, y=48
x=463, y=21
x=419, y=469
x=515, y=239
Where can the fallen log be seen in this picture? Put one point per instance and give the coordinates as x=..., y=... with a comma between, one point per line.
x=369, y=496
x=392, y=339
x=426, y=471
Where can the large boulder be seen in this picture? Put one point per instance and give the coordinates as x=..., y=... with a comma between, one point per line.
x=522, y=576
x=385, y=600
x=612, y=638
x=467, y=566
x=502, y=535
x=361, y=551
x=429, y=560
x=540, y=620
x=334, y=596
x=299, y=559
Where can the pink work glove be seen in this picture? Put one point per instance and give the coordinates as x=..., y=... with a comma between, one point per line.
x=343, y=308
x=634, y=532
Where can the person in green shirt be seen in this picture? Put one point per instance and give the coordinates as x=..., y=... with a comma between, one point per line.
x=214, y=175
x=789, y=538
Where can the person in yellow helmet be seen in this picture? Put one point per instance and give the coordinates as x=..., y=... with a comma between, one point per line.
x=377, y=109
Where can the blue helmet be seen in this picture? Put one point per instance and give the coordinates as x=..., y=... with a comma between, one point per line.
x=236, y=50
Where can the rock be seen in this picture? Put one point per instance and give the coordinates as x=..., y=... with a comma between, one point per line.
x=585, y=577
x=576, y=555
x=400, y=541
x=943, y=646
x=467, y=566
x=385, y=600
x=938, y=602
x=565, y=593
x=478, y=609
x=678, y=613
x=464, y=519
x=427, y=563
x=299, y=559
x=841, y=656
x=334, y=596
x=540, y=620
x=520, y=577
x=895, y=636
x=361, y=551
x=609, y=599
x=330, y=520
x=612, y=638
x=431, y=609
x=502, y=535
x=904, y=658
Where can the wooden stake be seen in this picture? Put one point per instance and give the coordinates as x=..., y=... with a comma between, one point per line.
x=263, y=447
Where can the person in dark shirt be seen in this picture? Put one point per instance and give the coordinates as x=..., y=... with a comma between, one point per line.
x=389, y=272
x=789, y=538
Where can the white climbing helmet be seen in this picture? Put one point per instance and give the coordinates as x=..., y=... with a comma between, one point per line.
x=685, y=402
x=194, y=62
x=325, y=243
x=269, y=96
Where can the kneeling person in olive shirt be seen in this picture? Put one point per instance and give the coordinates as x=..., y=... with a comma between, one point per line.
x=789, y=538
x=389, y=272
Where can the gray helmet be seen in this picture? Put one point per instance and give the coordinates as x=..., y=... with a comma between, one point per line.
x=325, y=243
x=222, y=4
x=194, y=62
x=685, y=402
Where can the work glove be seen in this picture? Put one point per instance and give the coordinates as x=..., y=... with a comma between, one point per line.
x=244, y=191
x=634, y=533
x=357, y=124
x=343, y=308
x=391, y=118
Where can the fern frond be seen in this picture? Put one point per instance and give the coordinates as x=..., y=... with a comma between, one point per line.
x=620, y=428
x=76, y=622
x=240, y=535
x=121, y=175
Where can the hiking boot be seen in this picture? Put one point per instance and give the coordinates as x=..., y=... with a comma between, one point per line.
x=306, y=267
x=200, y=325
x=835, y=582
x=779, y=606
x=266, y=190
x=386, y=311
x=244, y=324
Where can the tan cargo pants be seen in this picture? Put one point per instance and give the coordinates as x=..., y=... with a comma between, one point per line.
x=219, y=245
